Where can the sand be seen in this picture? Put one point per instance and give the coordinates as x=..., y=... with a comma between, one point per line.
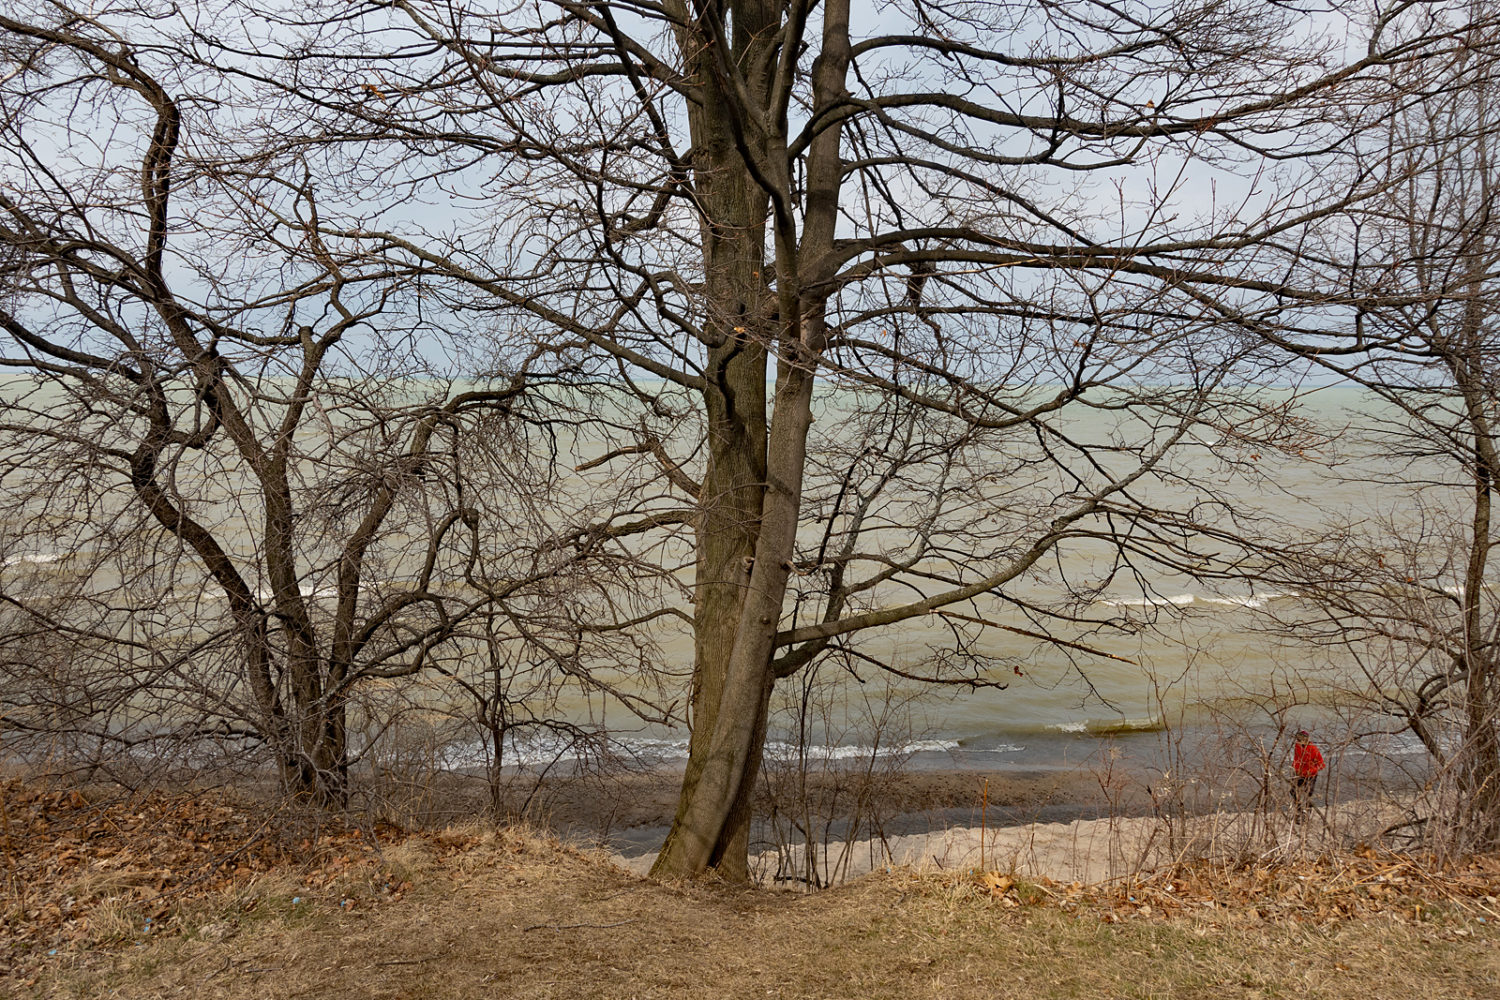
x=1086, y=850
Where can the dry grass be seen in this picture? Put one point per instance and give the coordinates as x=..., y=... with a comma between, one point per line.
x=99, y=867
x=482, y=914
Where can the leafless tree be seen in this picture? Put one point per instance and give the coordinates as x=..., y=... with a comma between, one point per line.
x=976, y=227
x=1402, y=298
x=241, y=484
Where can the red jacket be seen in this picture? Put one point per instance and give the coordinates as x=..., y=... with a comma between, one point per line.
x=1307, y=760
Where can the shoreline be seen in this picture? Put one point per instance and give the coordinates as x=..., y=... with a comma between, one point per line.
x=629, y=814
x=1084, y=820
x=626, y=808
x=1080, y=852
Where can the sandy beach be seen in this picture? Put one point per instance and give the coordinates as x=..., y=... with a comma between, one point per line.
x=1084, y=850
x=1068, y=823
x=630, y=813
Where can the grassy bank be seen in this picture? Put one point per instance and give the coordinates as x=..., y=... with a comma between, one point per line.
x=341, y=912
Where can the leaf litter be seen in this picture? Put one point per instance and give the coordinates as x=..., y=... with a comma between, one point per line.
x=171, y=860
x=103, y=871
x=1362, y=884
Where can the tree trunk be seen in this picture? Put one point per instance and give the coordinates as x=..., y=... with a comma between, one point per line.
x=727, y=531
x=711, y=828
x=752, y=491
x=1480, y=756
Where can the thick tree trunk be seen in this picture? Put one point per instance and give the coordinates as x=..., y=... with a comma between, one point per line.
x=711, y=828
x=752, y=492
x=732, y=491
x=728, y=528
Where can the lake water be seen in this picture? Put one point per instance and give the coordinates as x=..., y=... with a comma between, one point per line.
x=1207, y=662
x=1207, y=666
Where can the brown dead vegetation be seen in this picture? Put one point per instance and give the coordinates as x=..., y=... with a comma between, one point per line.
x=99, y=868
x=246, y=902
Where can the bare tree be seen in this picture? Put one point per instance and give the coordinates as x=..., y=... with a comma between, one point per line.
x=1411, y=291
x=240, y=485
x=973, y=227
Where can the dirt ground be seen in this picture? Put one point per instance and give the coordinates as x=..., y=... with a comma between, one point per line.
x=474, y=913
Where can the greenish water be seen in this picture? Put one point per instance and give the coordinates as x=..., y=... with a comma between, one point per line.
x=1164, y=653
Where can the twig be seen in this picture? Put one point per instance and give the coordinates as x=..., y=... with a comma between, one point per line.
x=404, y=961
x=984, y=810
x=1035, y=635
x=569, y=927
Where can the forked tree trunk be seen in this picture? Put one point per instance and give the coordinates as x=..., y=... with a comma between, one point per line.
x=750, y=502
x=727, y=532
x=711, y=828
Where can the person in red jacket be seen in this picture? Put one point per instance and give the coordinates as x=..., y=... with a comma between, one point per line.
x=1307, y=761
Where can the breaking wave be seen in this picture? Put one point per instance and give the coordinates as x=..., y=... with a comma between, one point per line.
x=1110, y=727
x=541, y=751
x=1251, y=601
x=36, y=559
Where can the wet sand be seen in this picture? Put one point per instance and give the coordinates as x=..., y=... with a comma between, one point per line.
x=1082, y=820
x=629, y=814
x=1086, y=851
